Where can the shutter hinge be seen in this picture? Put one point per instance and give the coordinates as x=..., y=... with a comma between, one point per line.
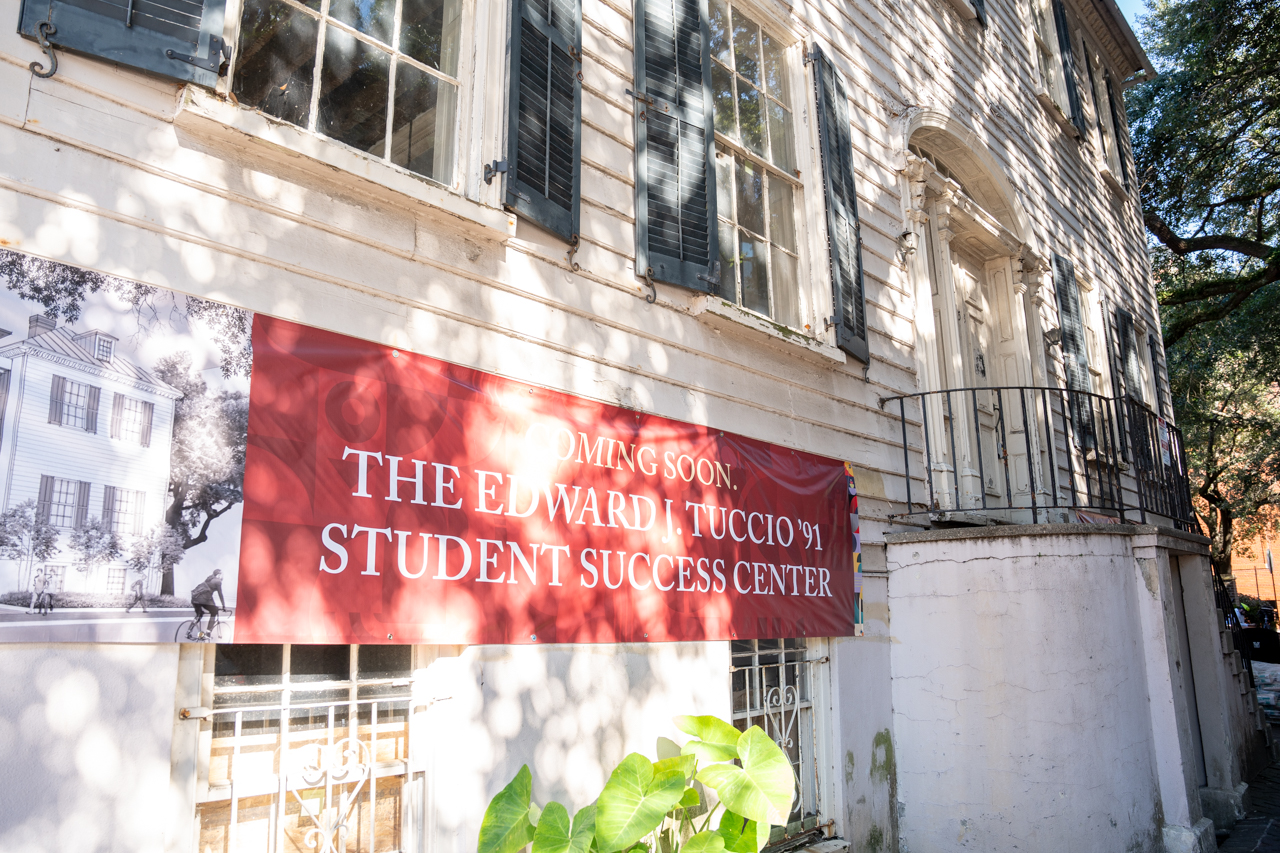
x=641, y=97
x=43, y=30
x=216, y=61
x=807, y=55
x=828, y=322
x=494, y=168
x=712, y=275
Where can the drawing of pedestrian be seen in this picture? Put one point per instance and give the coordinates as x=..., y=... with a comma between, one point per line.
x=138, y=596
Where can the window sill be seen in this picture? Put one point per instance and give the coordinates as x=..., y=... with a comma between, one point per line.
x=1116, y=186
x=727, y=317
x=1055, y=112
x=965, y=9
x=199, y=112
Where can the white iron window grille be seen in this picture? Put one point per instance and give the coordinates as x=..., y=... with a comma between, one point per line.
x=773, y=689
x=378, y=75
x=62, y=508
x=75, y=404
x=309, y=749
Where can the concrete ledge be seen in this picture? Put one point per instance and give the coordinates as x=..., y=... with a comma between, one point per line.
x=1196, y=839
x=1223, y=807
x=1006, y=531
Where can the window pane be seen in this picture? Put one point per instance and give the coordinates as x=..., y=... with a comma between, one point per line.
x=719, y=26
x=775, y=70
x=429, y=31
x=248, y=663
x=353, y=92
x=782, y=224
x=722, y=97
x=724, y=183
x=423, y=126
x=375, y=17
x=786, y=293
x=750, y=122
x=728, y=263
x=750, y=195
x=782, y=150
x=277, y=60
x=746, y=47
x=319, y=663
x=753, y=260
x=385, y=661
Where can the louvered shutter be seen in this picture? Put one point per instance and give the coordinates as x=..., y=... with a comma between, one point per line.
x=1154, y=349
x=545, y=139
x=1129, y=354
x=44, y=503
x=109, y=507
x=82, y=504
x=980, y=8
x=91, y=409
x=178, y=39
x=1075, y=358
x=148, y=415
x=117, y=415
x=844, y=234
x=675, y=172
x=1068, y=66
x=4, y=395
x=56, y=393
x=1117, y=130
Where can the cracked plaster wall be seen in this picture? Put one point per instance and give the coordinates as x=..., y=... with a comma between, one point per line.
x=1020, y=707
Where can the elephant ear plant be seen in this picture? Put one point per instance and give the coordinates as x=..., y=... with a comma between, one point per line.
x=655, y=807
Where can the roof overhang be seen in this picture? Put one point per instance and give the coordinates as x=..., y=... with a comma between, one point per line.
x=1134, y=56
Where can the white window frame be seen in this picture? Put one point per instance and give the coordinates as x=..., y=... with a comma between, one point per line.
x=55, y=506
x=1051, y=83
x=124, y=511
x=132, y=419
x=69, y=388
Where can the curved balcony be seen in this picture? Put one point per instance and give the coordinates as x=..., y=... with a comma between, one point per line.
x=1031, y=455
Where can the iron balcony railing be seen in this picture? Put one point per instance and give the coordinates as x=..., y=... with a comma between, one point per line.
x=1026, y=454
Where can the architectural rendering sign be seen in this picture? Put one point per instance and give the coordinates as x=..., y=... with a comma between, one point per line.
x=354, y=493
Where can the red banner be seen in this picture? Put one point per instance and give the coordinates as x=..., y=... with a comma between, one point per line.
x=391, y=497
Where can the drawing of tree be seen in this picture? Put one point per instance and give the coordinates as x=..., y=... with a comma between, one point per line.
x=206, y=469
x=26, y=538
x=161, y=546
x=96, y=544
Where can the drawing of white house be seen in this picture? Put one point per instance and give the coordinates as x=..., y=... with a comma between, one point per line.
x=85, y=433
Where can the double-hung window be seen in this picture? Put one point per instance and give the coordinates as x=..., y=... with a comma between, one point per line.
x=1056, y=62
x=62, y=509
x=756, y=185
x=378, y=75
x=74, y=404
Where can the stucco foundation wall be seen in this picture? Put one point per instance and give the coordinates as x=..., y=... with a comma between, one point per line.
x=85, y=734
x=1020, y=709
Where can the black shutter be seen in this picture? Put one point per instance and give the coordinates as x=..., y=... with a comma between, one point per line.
x=82, y=504
x=1118, y=132
x=4, y=395
x=1129, y=354
x=44, y=504
x=1154, y=348
x=178, y=39
x=91, y=409
x=148, y=414
x=676, y=238
x=1068, y=66
x=980, y=9
x=1075, y=358
x=545, y=140
x=117, y=414
x=55, y=400
x=109, y=507
x=844, y=235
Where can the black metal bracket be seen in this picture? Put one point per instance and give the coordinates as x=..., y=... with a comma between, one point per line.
x=712, y=276
x=43, y=30
x=641, y=97
x=653, y=288
x=215, y=62
x=574, y=244
x=494, y=168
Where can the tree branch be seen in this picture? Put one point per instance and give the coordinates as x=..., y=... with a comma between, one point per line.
x=1186, y=245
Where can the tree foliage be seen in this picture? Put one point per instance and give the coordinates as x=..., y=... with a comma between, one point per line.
x=26, y=537
x=160, y=547
x=1205, y=137
x=95, y=544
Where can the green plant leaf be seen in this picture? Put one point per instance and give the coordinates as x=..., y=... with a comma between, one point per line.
x=741, y=835
x=552, y=834
x=710, y=752
x=506, y=827
x=762, y=788
x=634, y=801
x=704, y=842
x=535, y=813
x=686, y=764
x=690, y=799
x=709, y=729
